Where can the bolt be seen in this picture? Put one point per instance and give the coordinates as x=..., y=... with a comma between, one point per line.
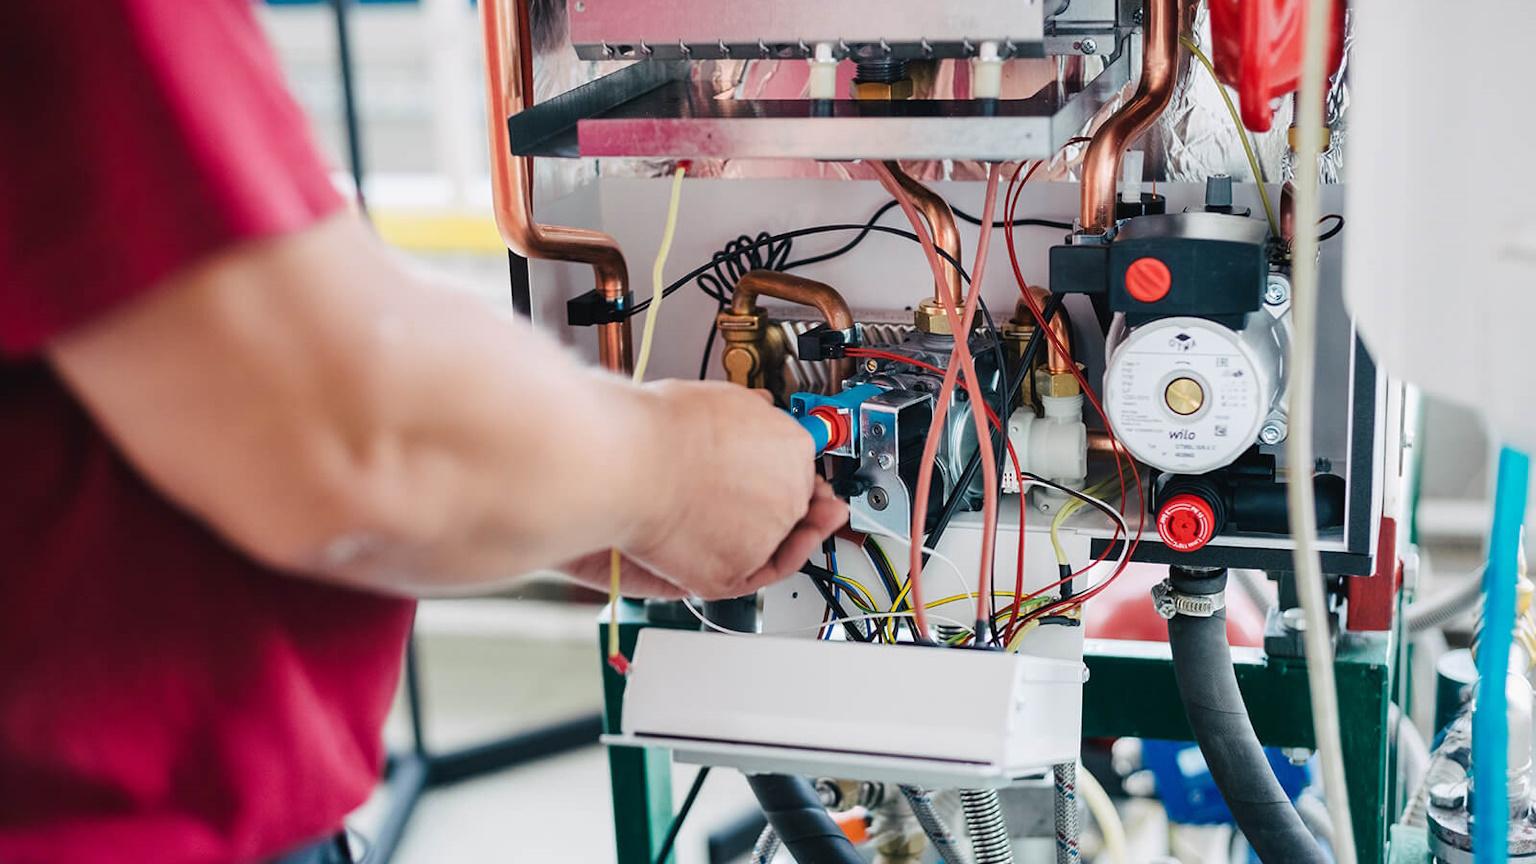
x=871, y=366
x=1294, y=619
x=1296, y=755
x=1088, y=46
x=876, y=430
x=878, y=498
x=1273, y=432
x=1450, y=796
x=885, y=461
x=1276, y=290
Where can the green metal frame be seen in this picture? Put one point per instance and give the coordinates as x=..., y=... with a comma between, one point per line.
x=1130, y=692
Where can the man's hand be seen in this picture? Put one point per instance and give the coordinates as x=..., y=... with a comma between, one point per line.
x=737, y=504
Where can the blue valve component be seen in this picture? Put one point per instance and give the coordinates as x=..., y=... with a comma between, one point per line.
x=832, y=421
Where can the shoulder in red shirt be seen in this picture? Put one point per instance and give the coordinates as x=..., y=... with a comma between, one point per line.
x=162, y=698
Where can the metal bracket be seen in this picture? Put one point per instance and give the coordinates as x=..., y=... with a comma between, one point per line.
x=1169, y=602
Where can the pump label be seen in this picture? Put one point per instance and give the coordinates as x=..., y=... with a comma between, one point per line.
x=1184, y=395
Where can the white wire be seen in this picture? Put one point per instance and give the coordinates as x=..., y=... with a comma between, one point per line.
x=1119, y=517
x=875, y=616
x=965, y=587
x=1298, y=449
x=1102, y=807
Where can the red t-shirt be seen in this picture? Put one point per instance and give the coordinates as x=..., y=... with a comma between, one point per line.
x=162, y=697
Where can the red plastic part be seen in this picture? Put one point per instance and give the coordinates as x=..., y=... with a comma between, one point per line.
x=1148, y=280
x=1373, y=598
x=1186, y=523
x=1257, y=47
x=838, y=427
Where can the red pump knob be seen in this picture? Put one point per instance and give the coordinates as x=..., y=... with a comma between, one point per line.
x=1186, y=522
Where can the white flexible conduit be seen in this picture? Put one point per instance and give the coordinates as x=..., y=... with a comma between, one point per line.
x=1298, y=448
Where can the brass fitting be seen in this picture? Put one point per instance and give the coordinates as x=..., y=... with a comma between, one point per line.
x=1016, y=336
x=929, y=318
x=747, y=354
x=1056, y=384
x=889, y=91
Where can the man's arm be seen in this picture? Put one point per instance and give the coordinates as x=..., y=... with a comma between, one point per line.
x=330, y=413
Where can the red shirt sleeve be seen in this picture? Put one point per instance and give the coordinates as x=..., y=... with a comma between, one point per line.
x=136, y=137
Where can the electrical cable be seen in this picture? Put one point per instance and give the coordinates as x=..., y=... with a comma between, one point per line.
x=1300, y=498
x=1105, y=815
x=1490, y=716
x=873, y=616
x=682, y=815
x=797, y=815
x=1338, y=227
x=1012, y=223
x=615, y=558
x=1242, y=134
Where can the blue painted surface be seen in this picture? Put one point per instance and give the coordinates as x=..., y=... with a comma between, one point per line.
x=1490, y=731
x=1189, y=793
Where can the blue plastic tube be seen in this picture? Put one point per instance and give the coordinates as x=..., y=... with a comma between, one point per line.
x=1490, y=730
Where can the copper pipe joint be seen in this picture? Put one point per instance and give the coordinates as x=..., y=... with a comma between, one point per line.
x=1058, y=361
x=1159, y=73
x=509, y=84
x=792, y=289
x=941, y=224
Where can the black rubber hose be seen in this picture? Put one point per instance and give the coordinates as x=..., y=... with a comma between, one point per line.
x=801, y=821
x=794, y=811
x=1202, y=666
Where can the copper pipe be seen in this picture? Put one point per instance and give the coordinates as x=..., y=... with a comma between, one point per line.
x=1159, y=72
x=795, y=289
x=1057, y=362
x=509, y=85
x=941, y=224
x=1100, y=444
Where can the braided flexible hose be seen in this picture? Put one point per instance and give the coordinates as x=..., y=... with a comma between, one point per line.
x=1066, y=814
x=767, y=846
x=943, y=840
x=990, y=840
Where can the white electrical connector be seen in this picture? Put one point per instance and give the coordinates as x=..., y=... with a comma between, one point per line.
x=823, y=84
x=987, y=80
x=1054, y=446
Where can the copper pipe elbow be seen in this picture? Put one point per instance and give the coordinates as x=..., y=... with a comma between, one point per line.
x=795, y=289
x=509, y=82
x=1057, y=361
x=1159, y=73
x=941, y=224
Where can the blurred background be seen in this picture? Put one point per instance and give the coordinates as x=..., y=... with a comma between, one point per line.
x=521, y=670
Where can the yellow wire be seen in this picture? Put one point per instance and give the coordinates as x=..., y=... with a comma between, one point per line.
x=1242, y=134
x=1066, y=510
x=643, y=359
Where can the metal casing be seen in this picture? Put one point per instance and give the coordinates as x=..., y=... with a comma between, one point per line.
x=710, y=29
x=1218, y=264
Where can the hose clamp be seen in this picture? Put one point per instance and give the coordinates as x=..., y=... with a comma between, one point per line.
x=1169, y=602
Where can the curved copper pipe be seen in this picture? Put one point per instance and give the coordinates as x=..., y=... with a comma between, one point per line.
x=794, y=289
x=508, y=86
x=1159, y=72
x=941, y=224
x=1057, y=362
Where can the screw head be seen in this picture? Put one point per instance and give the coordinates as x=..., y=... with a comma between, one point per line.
x=885, y=461
x=871, y=366
x=1273, y=432
x=1089, y=46
x=1276, y=290
x=878, y=498
x=876, y=430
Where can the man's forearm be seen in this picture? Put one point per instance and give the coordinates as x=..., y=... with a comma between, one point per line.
x=328, y=412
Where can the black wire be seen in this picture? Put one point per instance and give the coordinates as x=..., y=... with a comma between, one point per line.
x=851, y=244
x=682, y=814
x=709, y=344
x=1017, y=223
x=825, y=581
x=1333, y=232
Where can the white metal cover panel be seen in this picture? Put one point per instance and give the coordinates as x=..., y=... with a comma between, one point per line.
x=989, y=708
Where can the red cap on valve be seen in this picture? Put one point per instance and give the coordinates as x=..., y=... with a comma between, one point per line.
x=1186, y=522
x=839, y=429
